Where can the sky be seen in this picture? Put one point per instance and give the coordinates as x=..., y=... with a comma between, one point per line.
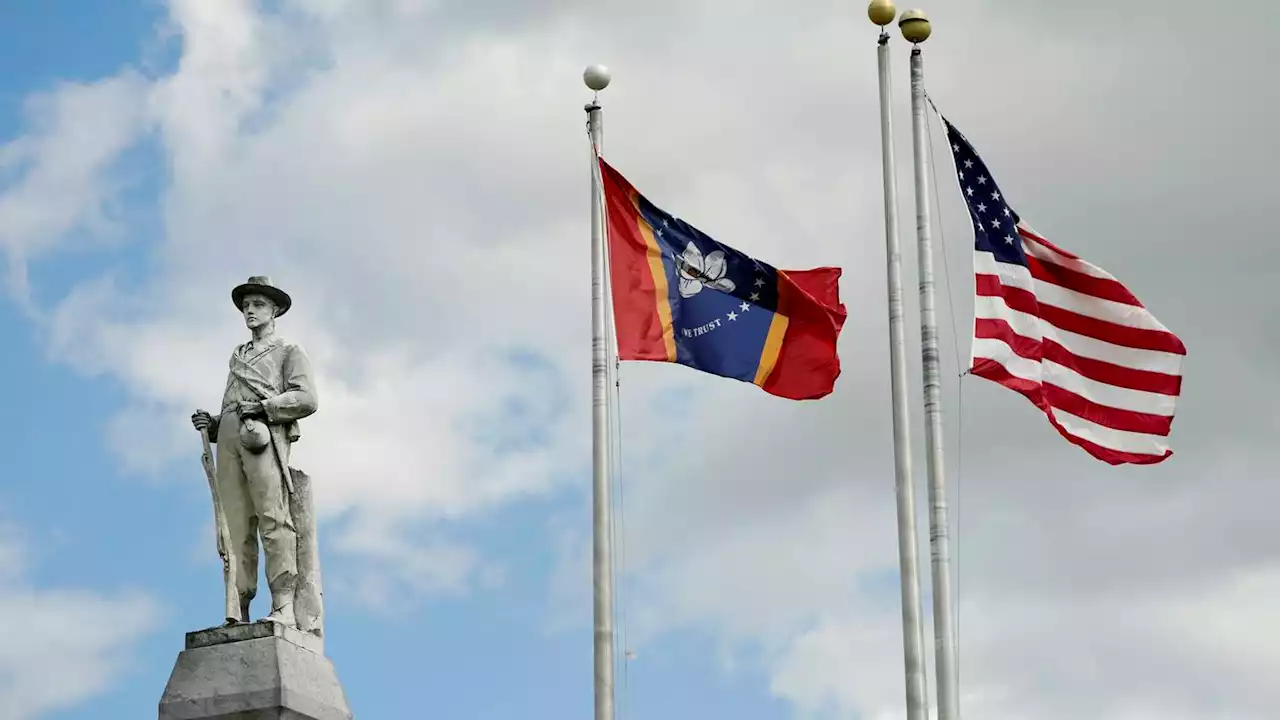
x=416, y=175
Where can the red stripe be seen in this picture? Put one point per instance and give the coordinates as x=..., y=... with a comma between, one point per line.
x=1063, y=277
x=1049, y=395
x=1024, y=232
x=1105, y=415
x=1107, y=455
x=1114, y=333
x=637, y=324
x=808, y=364
x=1112, y=374
x=1097, y=370
x=1022, y=346
x=996, y=372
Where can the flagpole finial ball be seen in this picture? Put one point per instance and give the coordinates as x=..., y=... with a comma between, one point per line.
x=596, y=77
x=882, y=12
x=915, y=26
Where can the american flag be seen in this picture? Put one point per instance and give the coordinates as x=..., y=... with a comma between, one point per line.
x=1065, y=333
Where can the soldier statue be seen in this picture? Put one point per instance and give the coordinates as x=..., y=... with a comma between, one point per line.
x=269, y=388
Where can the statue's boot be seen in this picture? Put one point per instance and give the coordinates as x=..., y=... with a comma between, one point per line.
x=282, y=608
x=244, y=611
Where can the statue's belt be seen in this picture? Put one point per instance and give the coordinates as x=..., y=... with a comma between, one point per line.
x=233, y=406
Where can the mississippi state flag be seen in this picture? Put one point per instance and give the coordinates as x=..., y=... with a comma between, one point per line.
x=681, y=297
x=1064, y=332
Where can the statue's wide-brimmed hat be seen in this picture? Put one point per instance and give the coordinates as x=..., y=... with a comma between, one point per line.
x=261, y=284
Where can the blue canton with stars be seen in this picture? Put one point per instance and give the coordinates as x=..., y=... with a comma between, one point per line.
x=994, y=222
x=722, y=301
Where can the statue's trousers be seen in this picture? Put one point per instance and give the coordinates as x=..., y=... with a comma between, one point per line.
x=254, y=497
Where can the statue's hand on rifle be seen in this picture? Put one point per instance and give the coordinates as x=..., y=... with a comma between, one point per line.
x=201, y=420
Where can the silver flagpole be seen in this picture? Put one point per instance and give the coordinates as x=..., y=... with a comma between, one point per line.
x=882, y=12
x=596, y=78
x=916, y=29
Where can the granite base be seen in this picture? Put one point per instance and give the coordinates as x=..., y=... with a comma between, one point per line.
x=256, y=671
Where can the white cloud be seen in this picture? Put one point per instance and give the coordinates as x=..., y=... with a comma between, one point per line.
x=329, y=187
x=56, y=186
x=417, y=176
x=826, y=670
x=62, y=646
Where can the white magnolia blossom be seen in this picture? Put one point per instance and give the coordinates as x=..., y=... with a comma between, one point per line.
x=697, y=271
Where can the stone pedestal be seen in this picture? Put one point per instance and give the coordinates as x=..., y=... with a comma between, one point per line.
x=258, y=671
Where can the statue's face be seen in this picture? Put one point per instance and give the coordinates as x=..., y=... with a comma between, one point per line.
x=258, y=310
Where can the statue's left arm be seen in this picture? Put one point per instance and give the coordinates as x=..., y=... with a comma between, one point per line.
x=299, y=397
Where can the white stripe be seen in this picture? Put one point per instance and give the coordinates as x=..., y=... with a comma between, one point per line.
x=1134, y=358
x=1000, y=352
x=1121, y=440
x=1090, y=306
x=1018, y=276
x=1052, y=373
x=1110, y=395
x=1011, y=274
x=986, y=307
x=1045, y=254
x=1032, y=327
x=1049, y=257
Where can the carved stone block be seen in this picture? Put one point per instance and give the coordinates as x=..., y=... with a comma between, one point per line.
x=258, y=671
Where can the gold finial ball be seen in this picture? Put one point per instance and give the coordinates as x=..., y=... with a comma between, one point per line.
x=915, y=26
x=882, y=12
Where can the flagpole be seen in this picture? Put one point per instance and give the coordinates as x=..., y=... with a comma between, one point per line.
x=597, y=78
x=916, y=29
x=882, y=12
